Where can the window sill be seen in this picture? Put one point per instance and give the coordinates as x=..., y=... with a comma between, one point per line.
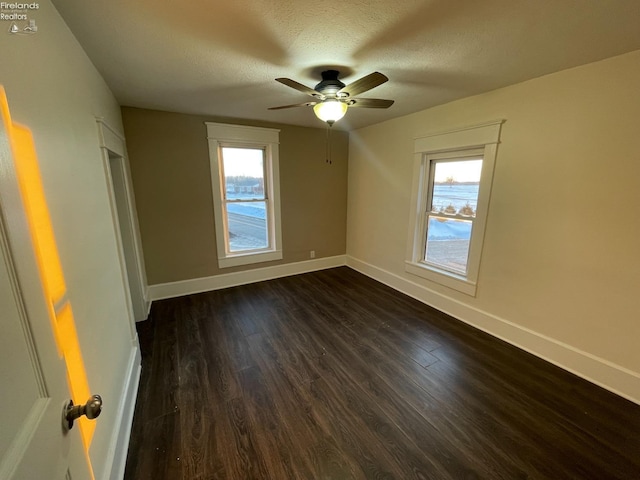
x=441, y=277
x=249, y=258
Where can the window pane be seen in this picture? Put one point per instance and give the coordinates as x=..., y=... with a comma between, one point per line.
x=243, y=173
x=455, y=188
x=448, y=243
x=247, y=226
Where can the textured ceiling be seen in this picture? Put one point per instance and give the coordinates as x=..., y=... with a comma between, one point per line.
x=220, y=58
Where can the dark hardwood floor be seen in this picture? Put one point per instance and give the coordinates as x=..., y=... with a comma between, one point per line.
x=332, y=375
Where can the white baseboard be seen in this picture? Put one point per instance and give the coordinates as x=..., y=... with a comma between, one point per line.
x=617, y=379
x=147, y=303
x=225, y=280
x=117, y=455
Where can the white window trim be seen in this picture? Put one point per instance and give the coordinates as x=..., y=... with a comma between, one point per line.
x=220, y=134
x=480, y=139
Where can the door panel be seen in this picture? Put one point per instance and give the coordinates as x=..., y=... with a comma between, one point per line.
x=34, y=375
x=16, y=368
x=22, y=398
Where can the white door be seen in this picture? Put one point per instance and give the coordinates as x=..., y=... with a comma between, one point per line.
x=35, y=373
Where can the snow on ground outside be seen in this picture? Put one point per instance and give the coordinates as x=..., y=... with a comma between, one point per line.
x=250, y=210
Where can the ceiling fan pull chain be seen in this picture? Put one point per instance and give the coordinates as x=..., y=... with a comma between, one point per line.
x=328, y=142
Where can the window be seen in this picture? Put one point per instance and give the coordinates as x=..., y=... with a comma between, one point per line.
x=246, y=193
x=451, y=211
x=450, y=198
x=244, y=198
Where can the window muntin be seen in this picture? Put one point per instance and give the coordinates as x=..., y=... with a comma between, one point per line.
x=452, y=203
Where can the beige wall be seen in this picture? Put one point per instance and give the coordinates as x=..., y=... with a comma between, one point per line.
x=54, y=89
x=560, y=268
x=169, y=160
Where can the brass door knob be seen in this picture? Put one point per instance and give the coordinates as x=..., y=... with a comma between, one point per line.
x=91, y=410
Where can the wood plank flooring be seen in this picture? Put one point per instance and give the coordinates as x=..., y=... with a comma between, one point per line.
x=332, y=375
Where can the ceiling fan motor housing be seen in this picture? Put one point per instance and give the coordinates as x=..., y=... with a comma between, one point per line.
x=330, y=85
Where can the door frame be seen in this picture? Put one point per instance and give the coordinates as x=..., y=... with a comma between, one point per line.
x=113, y=146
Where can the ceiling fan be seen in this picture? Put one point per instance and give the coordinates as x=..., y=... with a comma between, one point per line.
x=334, y=97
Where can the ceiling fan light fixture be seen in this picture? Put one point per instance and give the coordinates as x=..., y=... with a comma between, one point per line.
x=332, y=98
x=330, y=111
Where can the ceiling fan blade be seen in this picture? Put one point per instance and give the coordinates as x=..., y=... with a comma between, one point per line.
x=300, y=87
x=369, y=103
x=307, y=104
x=365, y=83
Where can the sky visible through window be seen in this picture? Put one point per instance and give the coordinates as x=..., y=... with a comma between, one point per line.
x=243, y=162
x=465, y=171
